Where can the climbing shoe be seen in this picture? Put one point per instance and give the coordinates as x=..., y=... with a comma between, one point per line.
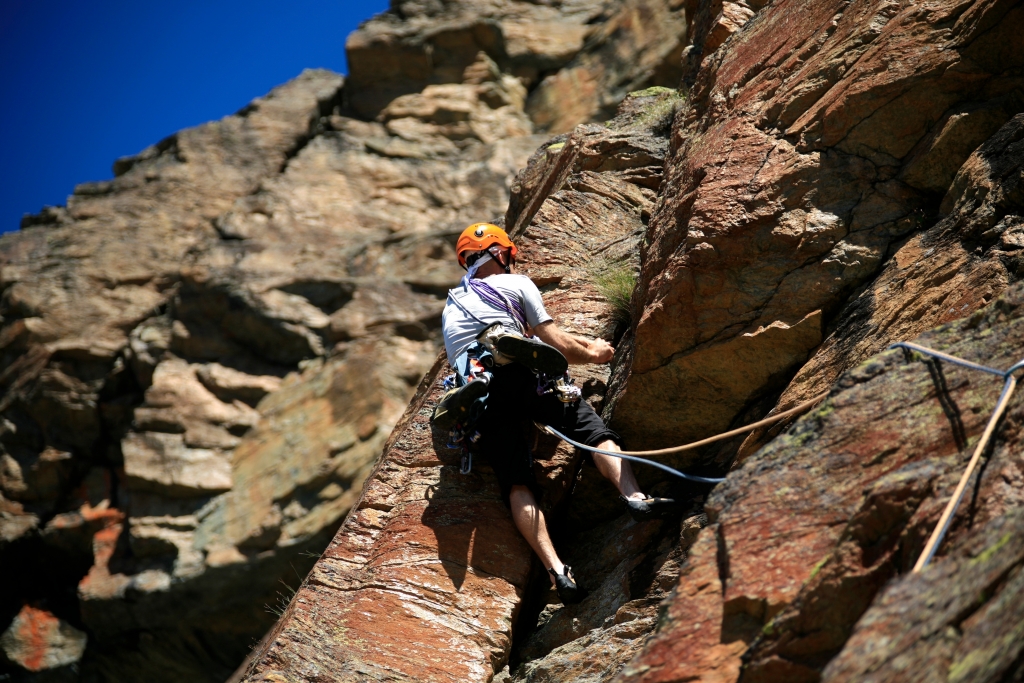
x=533, y=353
x=565, y=585
x=649, y=508
x=456, y=404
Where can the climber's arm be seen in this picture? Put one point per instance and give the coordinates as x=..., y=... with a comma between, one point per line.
x=575, y=349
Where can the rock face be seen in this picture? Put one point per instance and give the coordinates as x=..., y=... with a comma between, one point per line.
x=428, y=574
x=945, y=272
x=835, y=510
x=839, y=507
x=38, y=641
x=815, y=140
x=202, y=358
x=207, y=363
x=578, y=58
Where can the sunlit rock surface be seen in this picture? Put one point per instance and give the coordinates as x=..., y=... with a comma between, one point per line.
x=957, y=265
x=816, y=138
x=203, y=357
x=208, y=361
x=578, y=58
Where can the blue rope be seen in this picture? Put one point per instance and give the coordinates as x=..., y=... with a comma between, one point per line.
x=577, y=444
x=951, y=359
x=1009, y=383
x=1014, y=368
x=717, y=480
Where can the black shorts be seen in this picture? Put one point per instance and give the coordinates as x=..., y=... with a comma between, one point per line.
x=512, y=403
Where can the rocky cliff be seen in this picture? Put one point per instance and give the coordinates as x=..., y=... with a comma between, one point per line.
x=203, y=357
x=208, y=362
x=840, y=177
x=428, y=574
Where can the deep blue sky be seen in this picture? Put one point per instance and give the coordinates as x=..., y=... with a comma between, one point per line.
x=86, y=82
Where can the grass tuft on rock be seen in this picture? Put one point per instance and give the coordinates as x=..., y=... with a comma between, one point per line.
x=283, y=600
x=616, y=281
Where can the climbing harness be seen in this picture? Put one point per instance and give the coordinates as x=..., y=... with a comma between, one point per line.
x=633, y=455
x=473, y=363
x=563, y=387
x=1009, y=384
x=483, y=355
x=489, y=340
x=462, y=435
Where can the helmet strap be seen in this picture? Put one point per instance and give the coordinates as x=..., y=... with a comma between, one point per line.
x=502, y=256
x=477, y=258
x=475, y=266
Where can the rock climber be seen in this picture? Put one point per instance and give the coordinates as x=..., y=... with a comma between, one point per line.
x=510, y=361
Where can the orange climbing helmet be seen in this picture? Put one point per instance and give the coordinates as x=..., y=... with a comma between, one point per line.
x=481, y=236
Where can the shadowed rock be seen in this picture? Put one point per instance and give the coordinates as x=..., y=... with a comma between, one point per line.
x=810, y=529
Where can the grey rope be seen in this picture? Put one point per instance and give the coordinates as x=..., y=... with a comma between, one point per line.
x=1009, y=384
x=632, y=455
x=616, y=454
x=949, y=359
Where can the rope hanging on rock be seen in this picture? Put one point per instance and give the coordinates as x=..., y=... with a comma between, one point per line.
x=623, y=456
x=935, y=540
x=634, y=455
x=1009, y=384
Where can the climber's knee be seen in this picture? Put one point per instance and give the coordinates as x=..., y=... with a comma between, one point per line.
x=521, y=496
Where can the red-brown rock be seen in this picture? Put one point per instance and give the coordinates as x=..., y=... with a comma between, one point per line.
x=426, y=577
x=796, y=164
x=38, y=641
x=811, y=528
x=943, y=273
x=935, y=622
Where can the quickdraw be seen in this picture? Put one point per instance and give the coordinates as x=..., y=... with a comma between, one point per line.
x=563, y=387
x=466, y=464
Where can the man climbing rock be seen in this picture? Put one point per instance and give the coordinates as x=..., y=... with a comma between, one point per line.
x=510, y=361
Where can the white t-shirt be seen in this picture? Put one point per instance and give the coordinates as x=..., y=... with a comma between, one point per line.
x=466, y=315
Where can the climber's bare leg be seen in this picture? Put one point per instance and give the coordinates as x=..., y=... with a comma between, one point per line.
x=530, y=521
x=617, y=470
